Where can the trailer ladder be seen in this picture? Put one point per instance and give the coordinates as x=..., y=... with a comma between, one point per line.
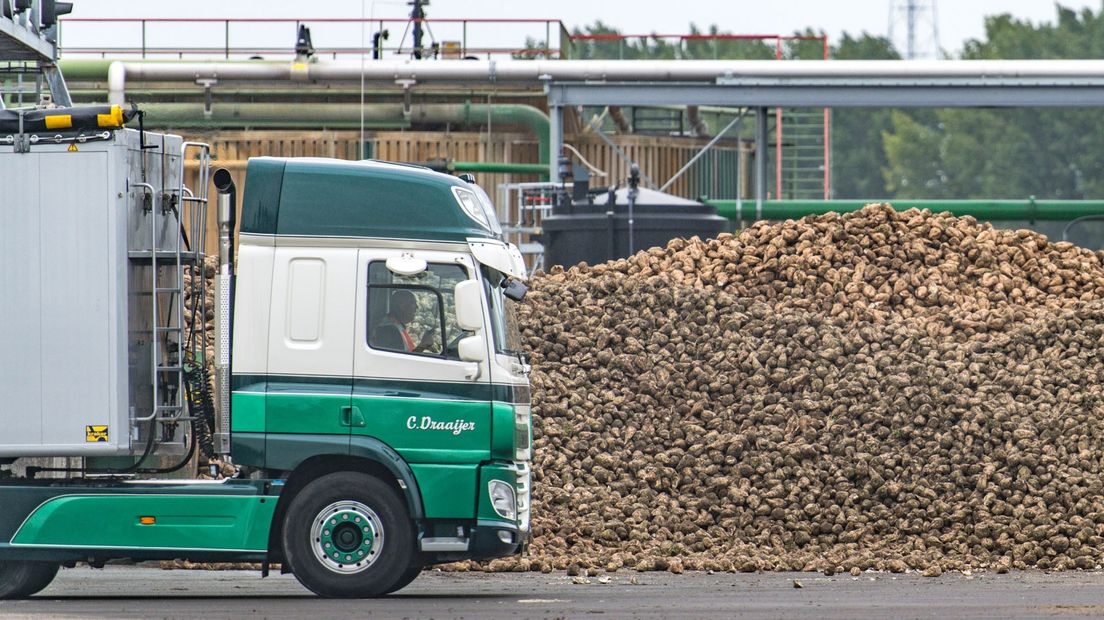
x=171, y=342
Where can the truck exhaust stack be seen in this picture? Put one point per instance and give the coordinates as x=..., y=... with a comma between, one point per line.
x=224, y=279
x=227, y=216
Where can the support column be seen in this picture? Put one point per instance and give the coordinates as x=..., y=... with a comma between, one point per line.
x=59, y=92
x=760, y=160
x=739, y=182
x=555, y=140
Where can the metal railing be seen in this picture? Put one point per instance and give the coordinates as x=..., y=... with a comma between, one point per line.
x=684, y=40
x=782, y=47
x=243, y=38
x=521, y=210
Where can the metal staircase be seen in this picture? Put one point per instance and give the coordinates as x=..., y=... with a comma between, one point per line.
x=521, y=209
x=802, y=159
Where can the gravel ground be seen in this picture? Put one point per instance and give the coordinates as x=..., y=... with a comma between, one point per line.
x=132, y=592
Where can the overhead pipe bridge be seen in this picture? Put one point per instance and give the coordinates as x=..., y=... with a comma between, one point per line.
x=733, y=83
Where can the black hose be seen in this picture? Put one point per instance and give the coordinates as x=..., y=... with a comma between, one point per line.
x=201, y=404
x=180, y=464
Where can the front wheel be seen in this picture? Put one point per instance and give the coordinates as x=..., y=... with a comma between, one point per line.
x=20, y=579
x=348, y=535
x=410, y=575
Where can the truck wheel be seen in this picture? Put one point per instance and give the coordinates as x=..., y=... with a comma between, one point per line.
x=20, y=579
x=410, y=575
x=348, y=535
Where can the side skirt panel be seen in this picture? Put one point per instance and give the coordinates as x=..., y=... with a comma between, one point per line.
x=147, y=520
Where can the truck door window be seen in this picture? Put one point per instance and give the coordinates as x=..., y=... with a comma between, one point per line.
x=414, y=314
x=504, y=323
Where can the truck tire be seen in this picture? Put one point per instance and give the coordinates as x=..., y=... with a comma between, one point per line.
x=348, y=535
x=410, y=575
x=20, y=579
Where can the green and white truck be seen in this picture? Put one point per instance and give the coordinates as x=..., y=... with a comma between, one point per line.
x=363, y=377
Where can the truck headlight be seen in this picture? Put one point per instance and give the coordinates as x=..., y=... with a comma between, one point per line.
x=503, y=499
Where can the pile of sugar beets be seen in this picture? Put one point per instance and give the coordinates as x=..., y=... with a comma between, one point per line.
x=877, y=390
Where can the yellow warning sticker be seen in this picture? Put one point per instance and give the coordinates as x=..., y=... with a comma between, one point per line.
x=72, y=148
x=95, y=434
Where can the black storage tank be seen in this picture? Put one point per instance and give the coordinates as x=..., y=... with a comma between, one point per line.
x=591, y=231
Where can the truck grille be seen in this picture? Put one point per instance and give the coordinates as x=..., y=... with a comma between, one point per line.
x=523, y=488
x=522, y=431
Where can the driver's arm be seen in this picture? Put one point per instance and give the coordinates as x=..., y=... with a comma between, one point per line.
x=429, y=342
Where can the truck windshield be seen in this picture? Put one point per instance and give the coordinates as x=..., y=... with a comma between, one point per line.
x=504, y=321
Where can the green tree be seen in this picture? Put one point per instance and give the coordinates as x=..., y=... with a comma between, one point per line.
x=723, y=48
x=808, y=45
x=858, y=152
x=654, y=48
x=1007, y=153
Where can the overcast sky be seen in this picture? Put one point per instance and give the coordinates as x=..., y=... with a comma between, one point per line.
x=955, y=21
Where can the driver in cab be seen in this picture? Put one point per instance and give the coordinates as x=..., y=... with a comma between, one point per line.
x=393, y=334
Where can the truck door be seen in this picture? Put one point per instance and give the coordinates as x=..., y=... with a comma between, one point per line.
x=410, y=389
x=310, y=353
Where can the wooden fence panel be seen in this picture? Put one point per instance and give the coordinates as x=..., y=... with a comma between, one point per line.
x=660, y=157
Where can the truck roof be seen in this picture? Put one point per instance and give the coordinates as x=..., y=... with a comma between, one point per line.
x=322, y=197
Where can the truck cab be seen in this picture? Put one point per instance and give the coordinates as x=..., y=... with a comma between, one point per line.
x=372, y=333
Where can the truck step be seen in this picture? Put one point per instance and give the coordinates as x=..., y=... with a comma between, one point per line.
x=444, y=544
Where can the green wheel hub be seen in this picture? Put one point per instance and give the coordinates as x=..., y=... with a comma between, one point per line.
x=347, y=537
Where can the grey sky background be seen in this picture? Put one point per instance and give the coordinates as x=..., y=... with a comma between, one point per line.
x=956, y=21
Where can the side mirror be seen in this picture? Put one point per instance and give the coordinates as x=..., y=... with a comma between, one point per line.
x=514, y=289
x=469, y=305
x=472, y=349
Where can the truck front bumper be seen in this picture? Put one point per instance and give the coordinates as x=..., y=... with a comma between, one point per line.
x=493, y=536
x=495, y=532
x=495, y=539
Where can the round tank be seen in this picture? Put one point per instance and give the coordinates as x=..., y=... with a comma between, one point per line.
x=593, y=232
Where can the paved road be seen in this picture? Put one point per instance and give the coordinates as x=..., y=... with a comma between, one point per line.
x=132, y=592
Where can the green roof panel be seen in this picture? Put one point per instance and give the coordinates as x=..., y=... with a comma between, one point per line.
x=264, y=178
x=339, y=198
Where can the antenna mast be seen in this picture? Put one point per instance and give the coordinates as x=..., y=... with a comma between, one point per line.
x=919, y=18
